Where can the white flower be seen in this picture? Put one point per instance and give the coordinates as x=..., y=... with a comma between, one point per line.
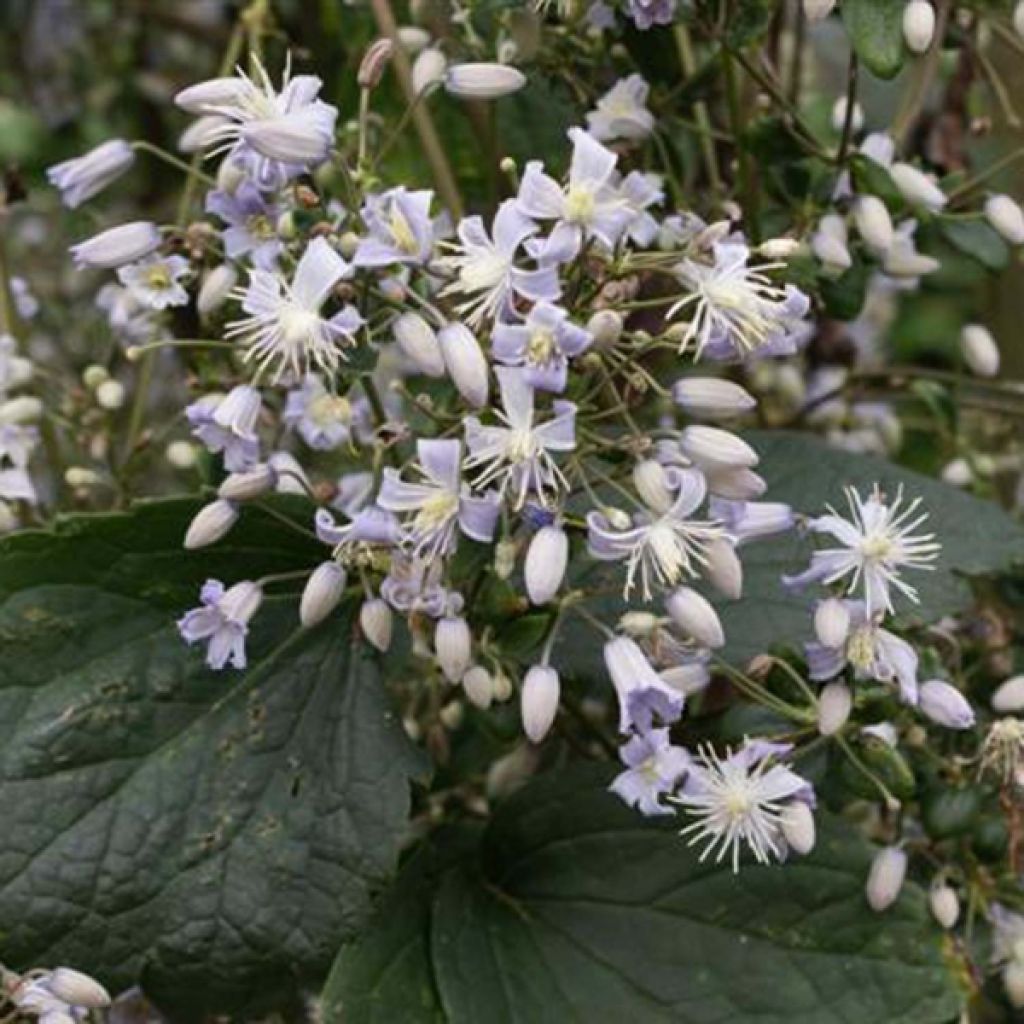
x=285, y=325
x=155, y=282
x=210, y=524
x=517, y=455
x=918, y=25
x=85, y=176
x=117, y=246
x=740, y=799
x=879, y=540
x=829, y=244
x=622, y=112
x=483, y=81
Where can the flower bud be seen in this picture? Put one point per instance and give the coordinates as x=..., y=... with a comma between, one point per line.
x=736, y=484
x=606, y=327
x=117, y=246
x=539, y=701
x=693, y=614
x=1006, y=217
x=479, y=686
x=21, y=410
x=465, y=362
x=248, y=484
x=797, y=821
x=181, y=454
x=917, y=187
x=712, y=397
x=110, y=395
x=413, y=38
x=80, y=477
x=428, y=69
x=1013, y=983
x=831, y=622
x=502, y=686
x=839, y=109
x=818, y=10
x=87, y=175
x=375, y=620
x=723, y=568
x=979, y=349
x=945, y=906
x=483, y=81
x=638, y=624
x=77, y=989
x=652, y=485
x=945, y=705
x=418, y=341
x=322, y=593
x=831, y=251
x=957, y=473
x=210, y=524
x=779, y=248
x=885, y=879
x=1009, y=696
x=714, y=449
x=834, y=706
x=918, y=25
x=546, y=561
x=1018, y=18
x=874, y=223
x=453, y=646
x=451, y=715
x=216, y=288
x=374, y=62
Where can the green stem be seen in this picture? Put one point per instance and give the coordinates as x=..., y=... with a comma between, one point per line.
x=168, y=158
x=748, y=179
x=684, y=45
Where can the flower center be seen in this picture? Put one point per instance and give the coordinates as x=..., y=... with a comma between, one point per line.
x=401, y=231
x=521, y=446
x=297, y=325
x=737, y=802
x=436, y=511
x=667, y=551
x=260, y=228
x=860, y=648
x=877, y=546
x=329, y=409
x=579, y=205
x=484, y=271
x=541, y=347
x=159, y=277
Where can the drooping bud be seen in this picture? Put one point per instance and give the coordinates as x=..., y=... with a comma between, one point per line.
x=322, y=593
x=885, y=879
x=736, y=484
x=694, y=615
x=917, y=187
x=945, y=906
x=539, y=701
x=428, y=69
x=945, y=705
x=797, y=821
x=831, y=622
x=834, y=704
x=918, y=25
x=829, y=244
x=546, y=561
x=413, y=38
x=712, y=397
x=374, y=63
x=714, y=449
x=979, y=349
x=87, y=175
x=117, y=246
x=375, y=620
x=779, y=248
x=479, y=686
x=211, y=523
x=453, y=646
x=248, y=484
x=1006, y=217
x=1009, y=696
x=651, y=483
x=957, y=473
x=216, y=288
x=418, y=340
x=77, y=989
x=466, y=363
x=483, y=81
x=606, y=327
x=724, y=569
x=874, y=223
x=207, y=97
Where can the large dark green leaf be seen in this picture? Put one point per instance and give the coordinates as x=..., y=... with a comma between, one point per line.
x=212, y=834
x=876, y=31
x=576, y=908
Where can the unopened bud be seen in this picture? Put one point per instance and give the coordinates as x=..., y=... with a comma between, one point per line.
x=874, y=223
x=712, y=397
x=693, y=614
x=93, y=376
x=322, y=593
x=1006, y=217
x=714, y=449
x=546, y=561
x=418, y=341
x=504, y=558
x=797, y=821
x=839, y=110
x=453, y=646
x=539, y=701
x=1013, y=983
x=1009, y=696
x=945, y=906
x=979, y=349
x=606, y=327
x=216, y=288
x=428, y=69
x=181, y=454
x=885, y=879
x=736, y=484
x=77, y=989
x=479, y=686
x=918, y=25
x=638, y=624
x=248, y=484
x=21, y=410
x=211, y=523
x=945, y=705
x=652, y=485
x=375, y=620
x=465, y=363
x=834, y=706
x=724, y=569
x=110, y=395
x=831, y=622
x=81, y=477
x=375, y=60
x=779, y=248
x=483, y=81
x=917, y=187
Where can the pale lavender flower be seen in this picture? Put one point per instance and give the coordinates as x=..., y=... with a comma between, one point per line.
x=223, y=621
x=662, y=545
x=17, y=442
x=322, y=418
x=622, y=113
x=400, y=227
x=285, y=325
x=872, y=652
x=542, y=345
x=517, y=454
x=87, y=175
x=647, y=13
x=749, y=520
x=251, y=224
x=644, y=696
x=117, y=246
x=879, y=540
x=414, y=585
x=16, y=485
x=588, y=207
x=155, y=282
x=372, y=526
x=485, y=266
x=740, y=800
x=132, y=322
x=227, y=424
x=439, y=501
x=653, y=769
x=639, y=191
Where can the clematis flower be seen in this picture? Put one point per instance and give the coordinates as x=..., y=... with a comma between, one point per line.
x=223, y=621
x=155, y=282
x=285, y=325
x=653, y=769
x=251, y=221
x=485, y=266
x=439, y=501
x=400, y=227
x=663, y=546
x=543, y=345
x=414, y=585
x=227, y=424
x=639, y=191
x=644, y=696
x=323, y=419
x=622, y=113
x=879, y=540
x=517, y=454
x=87, y=175
x=647, y=13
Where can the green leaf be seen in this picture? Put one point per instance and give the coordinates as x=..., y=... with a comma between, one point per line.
x=214, y=835
x=576, y=908
x=977, y=239
x=977, y=537
x=844, y=296
x=876, y=31
x=871, y=177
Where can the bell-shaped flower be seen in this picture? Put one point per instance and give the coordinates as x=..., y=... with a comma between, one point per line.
x=644, y=696
x=653, y=769
x=621, y=113
x=223, y=621
x=400, y=228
